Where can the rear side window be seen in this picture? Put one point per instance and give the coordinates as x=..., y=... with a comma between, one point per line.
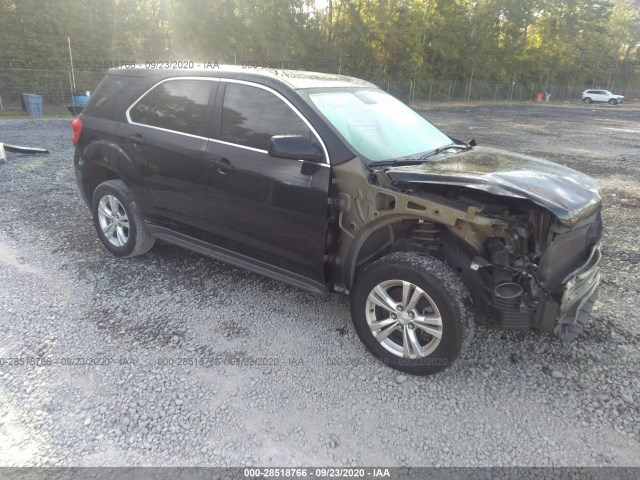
x=109, y=88
x=179, y=105
x=251, y=116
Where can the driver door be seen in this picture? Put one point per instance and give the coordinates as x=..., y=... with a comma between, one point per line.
x=271, y=210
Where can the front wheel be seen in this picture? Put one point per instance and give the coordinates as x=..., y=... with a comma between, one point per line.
x=118, y=221
x=613, y=101
x=412, y=312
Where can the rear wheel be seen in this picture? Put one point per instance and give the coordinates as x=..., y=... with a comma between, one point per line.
x=588, y=100
x=118, y=221
x=412, y=312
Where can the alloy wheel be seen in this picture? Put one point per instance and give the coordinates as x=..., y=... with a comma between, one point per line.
x=404, y=319
x=114, y=221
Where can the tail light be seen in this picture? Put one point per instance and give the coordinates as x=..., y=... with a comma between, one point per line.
x=76, y=126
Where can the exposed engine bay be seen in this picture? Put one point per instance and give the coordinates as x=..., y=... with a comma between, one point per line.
x=523, y=265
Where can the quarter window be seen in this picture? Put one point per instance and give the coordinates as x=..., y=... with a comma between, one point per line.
x=179, y=105
x=251, y=116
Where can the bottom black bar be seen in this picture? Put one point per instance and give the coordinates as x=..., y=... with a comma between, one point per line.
x=247, y=473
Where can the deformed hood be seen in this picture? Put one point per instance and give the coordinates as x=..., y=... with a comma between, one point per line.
x=567, y=193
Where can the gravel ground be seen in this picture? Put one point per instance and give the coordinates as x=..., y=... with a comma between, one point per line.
x=286, y=381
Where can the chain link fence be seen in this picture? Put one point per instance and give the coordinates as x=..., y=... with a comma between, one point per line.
x=56, y=88
x=54, y=85
x=441, y=90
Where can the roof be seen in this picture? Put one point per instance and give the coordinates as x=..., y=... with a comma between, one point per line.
x=296, y=79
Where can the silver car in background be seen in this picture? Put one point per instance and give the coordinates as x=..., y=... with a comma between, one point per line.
x=590, y=96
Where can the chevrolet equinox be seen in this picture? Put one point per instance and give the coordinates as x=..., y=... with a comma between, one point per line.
x=327, y=183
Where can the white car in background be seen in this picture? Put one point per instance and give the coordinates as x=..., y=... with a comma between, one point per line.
x=590, y=96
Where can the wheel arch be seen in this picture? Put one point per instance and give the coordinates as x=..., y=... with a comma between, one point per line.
x=104, y=161
x=95, y=176
x=379, y=238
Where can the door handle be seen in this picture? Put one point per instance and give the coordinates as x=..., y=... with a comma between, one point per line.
x=136, y=139
x=222, y=165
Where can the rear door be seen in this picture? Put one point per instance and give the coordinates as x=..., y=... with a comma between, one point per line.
x=166, y=138
x=271, y=210
x=600, y=96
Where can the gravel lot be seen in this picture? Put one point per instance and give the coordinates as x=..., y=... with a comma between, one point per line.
x=286, y=381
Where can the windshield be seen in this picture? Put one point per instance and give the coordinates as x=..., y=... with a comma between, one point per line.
x=377, y=126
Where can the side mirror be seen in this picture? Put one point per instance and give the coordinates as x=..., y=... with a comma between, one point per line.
x=295, y=147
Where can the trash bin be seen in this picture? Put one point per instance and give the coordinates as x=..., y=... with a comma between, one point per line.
x=81, y=98
x=32, y=104
x=547, y=96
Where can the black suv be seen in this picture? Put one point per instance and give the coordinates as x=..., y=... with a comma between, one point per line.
x=329, y=184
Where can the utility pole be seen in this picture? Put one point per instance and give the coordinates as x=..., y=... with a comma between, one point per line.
x=513, y=85
x=73, y=76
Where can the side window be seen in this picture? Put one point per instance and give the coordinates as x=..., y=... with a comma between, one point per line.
x=251, y=116
x=179, y=105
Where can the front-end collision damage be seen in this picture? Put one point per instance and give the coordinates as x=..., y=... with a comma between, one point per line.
x=526, y=264
x=568, y=194
x=549, y=285
x=578, y=297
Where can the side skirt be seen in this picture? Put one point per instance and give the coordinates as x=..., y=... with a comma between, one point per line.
x=237, y=259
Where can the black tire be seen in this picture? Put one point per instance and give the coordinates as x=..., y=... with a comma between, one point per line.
x=123, y=241
x=613, y=101
x=588, y=100
x=451, y=303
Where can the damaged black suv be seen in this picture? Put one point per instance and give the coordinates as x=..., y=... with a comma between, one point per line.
x=329, y=184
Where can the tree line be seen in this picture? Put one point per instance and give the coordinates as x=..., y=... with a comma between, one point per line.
x=559, y=41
